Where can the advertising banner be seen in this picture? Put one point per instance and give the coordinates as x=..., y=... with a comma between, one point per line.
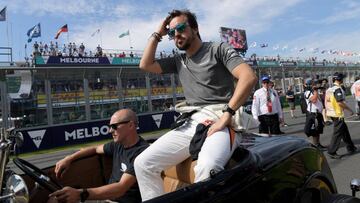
x=77, y=61
x=71, y=134
x=288, y=63
x=85, y=61
x=304, y=64
x=268, y=63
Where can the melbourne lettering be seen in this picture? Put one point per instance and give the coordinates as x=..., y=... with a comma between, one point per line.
x=83, y=133
x=79, y=60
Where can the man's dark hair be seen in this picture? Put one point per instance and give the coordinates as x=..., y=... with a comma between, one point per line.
x=190, y=16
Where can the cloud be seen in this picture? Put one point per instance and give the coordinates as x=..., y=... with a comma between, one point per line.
x=54, y=7
x=346, y=10
x=255, y=16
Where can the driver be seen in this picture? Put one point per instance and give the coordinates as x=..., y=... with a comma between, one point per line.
x=124, y=148
x=207, y=71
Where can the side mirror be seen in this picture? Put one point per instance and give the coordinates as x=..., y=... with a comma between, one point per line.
x=355, y=186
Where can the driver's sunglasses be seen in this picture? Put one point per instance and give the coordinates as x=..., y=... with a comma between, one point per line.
x=114, y=126
x=180, y=28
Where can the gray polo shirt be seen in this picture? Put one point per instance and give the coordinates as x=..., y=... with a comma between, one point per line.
x=206, y=76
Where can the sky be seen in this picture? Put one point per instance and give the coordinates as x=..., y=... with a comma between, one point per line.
x=287, y=26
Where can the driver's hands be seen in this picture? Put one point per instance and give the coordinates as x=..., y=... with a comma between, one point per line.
x=220, y=124
x=62, y=166
x=67, y=194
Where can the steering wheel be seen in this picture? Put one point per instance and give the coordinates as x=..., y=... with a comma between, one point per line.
x=37, y=175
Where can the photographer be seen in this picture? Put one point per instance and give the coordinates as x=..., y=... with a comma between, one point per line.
x=314, y=124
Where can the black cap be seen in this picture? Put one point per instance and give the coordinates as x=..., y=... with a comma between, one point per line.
x=338, y=76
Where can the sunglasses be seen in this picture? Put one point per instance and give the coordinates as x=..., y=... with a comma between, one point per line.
x=180, y=28
x=114, y=126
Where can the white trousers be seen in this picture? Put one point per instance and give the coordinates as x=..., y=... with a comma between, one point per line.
x=173, y=148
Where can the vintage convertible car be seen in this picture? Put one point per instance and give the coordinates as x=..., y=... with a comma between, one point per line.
x=279, y=169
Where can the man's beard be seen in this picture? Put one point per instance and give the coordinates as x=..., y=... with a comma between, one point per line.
x=186, y=42
x=185, y=46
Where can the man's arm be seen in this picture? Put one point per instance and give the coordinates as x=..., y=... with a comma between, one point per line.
x=246, y=81
x=343, y=105
x=314, y=98
x=111, y=191
x=114, y=190
x=63, y=164
x=147, y=62
x=255, y=107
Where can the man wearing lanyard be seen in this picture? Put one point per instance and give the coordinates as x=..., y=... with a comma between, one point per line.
x=266, y=109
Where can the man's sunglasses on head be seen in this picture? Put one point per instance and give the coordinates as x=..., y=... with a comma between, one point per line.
x=180, y=28
x=114, y=126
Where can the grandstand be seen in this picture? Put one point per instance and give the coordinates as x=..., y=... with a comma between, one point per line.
x=62, y=93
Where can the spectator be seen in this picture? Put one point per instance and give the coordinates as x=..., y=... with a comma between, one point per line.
x=290, y=97
x=41, y=48
x=355, y=91
x=52, y=49
x=36, y=49
x=99, y=51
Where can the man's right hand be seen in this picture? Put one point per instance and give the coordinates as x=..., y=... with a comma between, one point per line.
x=62, y=166
x=162, y=29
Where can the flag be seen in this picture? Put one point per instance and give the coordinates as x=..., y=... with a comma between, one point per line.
x=97, y=31
x=34, y=32
x=276, y=47
x=253, y=45
x=124, y=34
x=3, y=14
x=62, y=29
x=263, y=45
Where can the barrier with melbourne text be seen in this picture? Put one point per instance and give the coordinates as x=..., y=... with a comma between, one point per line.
x=71, y=134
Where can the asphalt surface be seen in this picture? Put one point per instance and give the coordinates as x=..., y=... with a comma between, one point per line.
x=344, y=169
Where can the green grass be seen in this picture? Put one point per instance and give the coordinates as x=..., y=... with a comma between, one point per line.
x=79, y=146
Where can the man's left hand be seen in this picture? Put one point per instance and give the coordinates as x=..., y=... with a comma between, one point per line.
x=67, y=194
x=220, y=124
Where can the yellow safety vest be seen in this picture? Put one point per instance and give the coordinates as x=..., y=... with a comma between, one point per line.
x=333, y=108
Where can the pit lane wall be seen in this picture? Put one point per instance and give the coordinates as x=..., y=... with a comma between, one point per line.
x=71, y=134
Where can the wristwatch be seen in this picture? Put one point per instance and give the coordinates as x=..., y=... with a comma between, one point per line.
x=228, y=109
x=84, y=195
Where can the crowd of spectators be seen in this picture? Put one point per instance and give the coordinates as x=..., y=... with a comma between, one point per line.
x=311, y=60
x=74, y=50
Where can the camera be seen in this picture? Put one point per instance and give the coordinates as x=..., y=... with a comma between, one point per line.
x=314, y=85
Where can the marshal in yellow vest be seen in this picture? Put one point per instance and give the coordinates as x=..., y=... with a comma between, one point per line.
x=333, y=109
